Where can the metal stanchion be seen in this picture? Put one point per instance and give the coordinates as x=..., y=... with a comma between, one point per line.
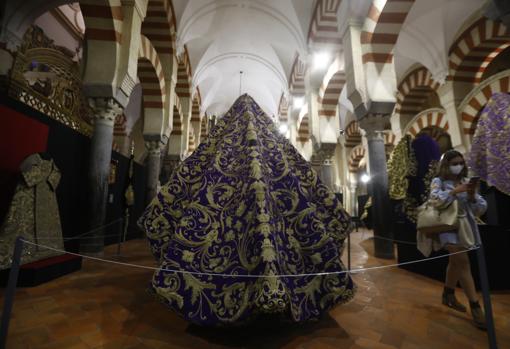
x=124, y=228
x=10, y=291
x=484, y=281
x=349, y=251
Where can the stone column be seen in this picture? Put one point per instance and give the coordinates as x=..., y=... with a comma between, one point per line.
x=353, y=199
x=170, y=162
x=373, y=125
x=105, y=111
x=153, y=164
x=327, y=151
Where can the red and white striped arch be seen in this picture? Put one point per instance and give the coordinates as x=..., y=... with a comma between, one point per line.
x=177, y=117
x=195, y=110
x=355, y=157
x=381, y=28
x=204, y=129
x=297, y=77
x=176, y=123
x=352, y=134
x=323, y=31
x=159, y=26
x=414, y=90
x=191, y=139
x=433, y=117
x=283, y=109
x=151, y=76
x=184, y=74
x=304, y=129
x=475, y=48
x=329, y=94
x=389, y=138
x=473, y=104
x=103, y=20
x=120, y=125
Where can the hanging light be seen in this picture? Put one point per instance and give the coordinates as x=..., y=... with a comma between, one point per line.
x=365, y=178
x=320, y=60
x=298, y=102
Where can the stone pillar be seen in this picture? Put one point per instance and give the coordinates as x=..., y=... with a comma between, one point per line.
x=153, y=164
x=373, y=125
x=353, y=199
x=170, y=162
x=105, y=111
x=316, y=163
x=327, y=151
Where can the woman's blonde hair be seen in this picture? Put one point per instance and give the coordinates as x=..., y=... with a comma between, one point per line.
x=444, y=164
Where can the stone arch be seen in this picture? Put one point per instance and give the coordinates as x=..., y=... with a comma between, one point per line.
x=159, y=26
x=355, y=157
x=177, y=119
x=475, y=48
x=204, y=129
x=329, y=94
x=352, y=134
x=304, y=129
x=152, y=80
x=381, y=28
x=283, y=109
x=414, y=90
x=433, y=117
x=323, y=30
x=475, y=101
x=183, y=87
x=191, y=140
x=103, y=21
x=297, y=77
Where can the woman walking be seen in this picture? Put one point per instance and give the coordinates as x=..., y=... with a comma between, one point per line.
x=452, y=184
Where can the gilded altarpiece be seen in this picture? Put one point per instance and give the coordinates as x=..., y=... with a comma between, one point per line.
x=47, y=78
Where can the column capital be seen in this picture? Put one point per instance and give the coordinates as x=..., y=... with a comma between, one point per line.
x=154, y=143
x=326, y=152
x=374, y=125
x=106, y=109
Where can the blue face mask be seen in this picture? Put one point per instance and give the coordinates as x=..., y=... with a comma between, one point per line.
x=456, y=169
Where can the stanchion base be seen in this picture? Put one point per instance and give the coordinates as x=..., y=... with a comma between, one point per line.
x=39, y=272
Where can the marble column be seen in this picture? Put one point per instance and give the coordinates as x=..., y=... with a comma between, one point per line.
x=316, y=163
x=373, y=125
x=353, y=192
x=169, y=163
x=153, y=165
x=105, y=111
x=327, y=151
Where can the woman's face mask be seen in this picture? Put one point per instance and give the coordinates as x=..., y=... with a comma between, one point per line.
x=456, y=169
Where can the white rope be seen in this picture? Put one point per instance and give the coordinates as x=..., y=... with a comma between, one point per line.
x=88, y=232
x=352, y=271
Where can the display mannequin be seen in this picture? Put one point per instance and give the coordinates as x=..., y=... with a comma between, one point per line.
x=33, y=213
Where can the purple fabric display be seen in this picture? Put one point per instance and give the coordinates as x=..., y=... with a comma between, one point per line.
x=246, y=203
x=489, y=157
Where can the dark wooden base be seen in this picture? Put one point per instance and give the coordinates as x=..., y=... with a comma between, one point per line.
x=39, y=272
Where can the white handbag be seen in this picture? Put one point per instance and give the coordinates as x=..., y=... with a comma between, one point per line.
x=431, y=220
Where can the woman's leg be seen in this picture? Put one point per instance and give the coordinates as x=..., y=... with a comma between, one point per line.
x=453, y=268
x=465, y=277
x=452, y=277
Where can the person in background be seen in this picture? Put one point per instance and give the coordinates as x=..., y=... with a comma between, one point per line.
x=452, y=184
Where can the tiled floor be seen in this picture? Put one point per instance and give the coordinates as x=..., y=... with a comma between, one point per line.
x=106, y=306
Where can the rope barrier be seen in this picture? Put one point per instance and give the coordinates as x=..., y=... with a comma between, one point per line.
x=87, y=232
x=351, y=271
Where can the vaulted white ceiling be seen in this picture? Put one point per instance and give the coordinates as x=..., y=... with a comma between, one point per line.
x=430, y=29
x=258, y=37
